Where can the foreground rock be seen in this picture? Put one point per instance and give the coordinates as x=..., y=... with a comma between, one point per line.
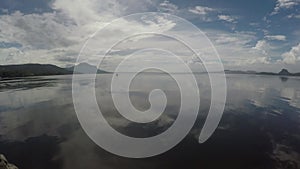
x=4, y=163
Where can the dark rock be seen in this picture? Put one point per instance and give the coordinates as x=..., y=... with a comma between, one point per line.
x=4, y=164
x=284, y=72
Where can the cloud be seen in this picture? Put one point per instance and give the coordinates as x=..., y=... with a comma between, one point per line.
x=284, y=4
x=88, y=11
x=225, y=39
x=167, y=6
x=276, y=37
x=292, y=56
x=263, y=60
x=236, y=51
x=227, y=18
x=36, y=31
x=296, y=16
x=263, y=46
x=201, y=10
x=37, y=35
x=56, y=37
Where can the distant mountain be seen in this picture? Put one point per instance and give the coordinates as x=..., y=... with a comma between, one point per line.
x=25, y=70
x=239, y=72
x=85, y=68
x=283, y=72
x=31, y=70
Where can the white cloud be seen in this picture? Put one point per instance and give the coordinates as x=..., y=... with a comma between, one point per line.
x=167, y=6
x=38, y=35
x=225, y=39
x=296, y=16
x=235, y=50
x=292, y=56
x=36, y=31
x=263, y=46
x=51, y=46
x=263, y=60
x=201, y=10
x=276, y=37
x=227, y=18
x=88, y=11
x=284, y=4
x=57, y=37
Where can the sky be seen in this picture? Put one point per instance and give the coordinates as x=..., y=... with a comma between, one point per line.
x=261, y=35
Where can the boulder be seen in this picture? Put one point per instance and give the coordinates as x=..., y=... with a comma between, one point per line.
x=4, y=164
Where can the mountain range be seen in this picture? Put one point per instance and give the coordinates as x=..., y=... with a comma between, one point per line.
x=25, y=70
x=283, y=72
x=85, y=68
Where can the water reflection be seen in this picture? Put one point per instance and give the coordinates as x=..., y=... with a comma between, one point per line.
x=260, y=127
x=284, y=79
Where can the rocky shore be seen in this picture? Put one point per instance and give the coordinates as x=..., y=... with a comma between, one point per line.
x=4, y=164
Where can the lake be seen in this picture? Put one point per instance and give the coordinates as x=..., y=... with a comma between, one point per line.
x=260, y=128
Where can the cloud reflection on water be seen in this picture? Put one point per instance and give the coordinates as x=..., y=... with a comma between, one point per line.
x=260, y=127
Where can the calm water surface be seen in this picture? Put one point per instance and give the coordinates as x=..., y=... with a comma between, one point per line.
x=260, y=128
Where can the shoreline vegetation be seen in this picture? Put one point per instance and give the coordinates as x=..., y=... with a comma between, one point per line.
x=28, y=70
